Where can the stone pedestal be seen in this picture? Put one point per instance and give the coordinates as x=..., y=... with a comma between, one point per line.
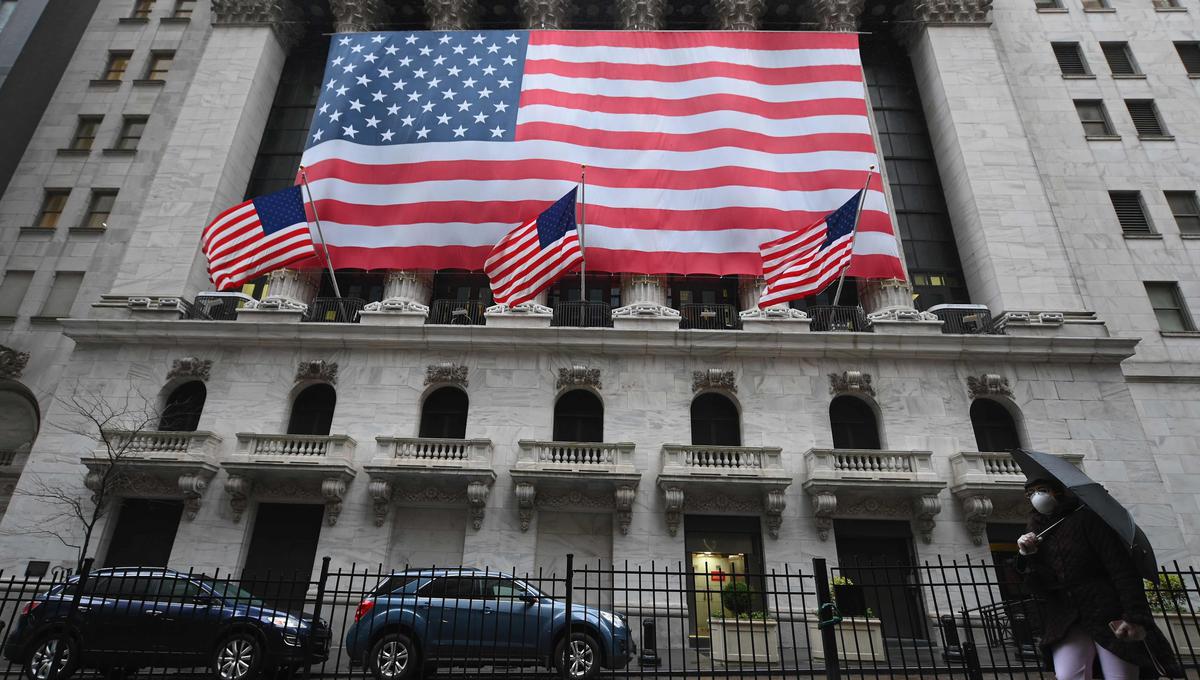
x=524, y=315
x=405, y=300
x=778, y=318
x=645, y=299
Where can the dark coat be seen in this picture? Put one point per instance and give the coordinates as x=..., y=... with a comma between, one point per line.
x=1086, y=577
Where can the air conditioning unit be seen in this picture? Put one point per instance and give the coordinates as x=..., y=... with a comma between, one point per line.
x=964, y=319
x=215, y=306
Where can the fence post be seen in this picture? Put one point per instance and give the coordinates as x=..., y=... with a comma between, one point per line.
x=312, y=629
x=566, y=659
x=833, y=664
x=970, y=653
x=57, y=661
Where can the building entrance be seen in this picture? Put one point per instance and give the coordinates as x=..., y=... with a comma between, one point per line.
x=878, y=556
x=721, y=551
x=144, y=534
x=283, y=549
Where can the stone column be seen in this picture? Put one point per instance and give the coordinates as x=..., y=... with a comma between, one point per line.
x=359, y=16
x=740, y=15
x=449, y=15
x=838, y=15
x=405, y=292
x=641, y=15
x=551, y=14
x=750, y=290
x=645, y=299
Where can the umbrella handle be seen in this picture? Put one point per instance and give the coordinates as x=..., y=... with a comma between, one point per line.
x=1047, y=529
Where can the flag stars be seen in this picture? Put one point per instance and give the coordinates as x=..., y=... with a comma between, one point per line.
x=408, y=121
x=489, y=70
x=363, y=80
x=399, y=84
x=443, y=119
x=477, y=39
x=460, y=131
x=348, y=68
x=464, y=106
x=341, y=91
x=391, y=50
x=387, y=135
x=393, y=110
x=338, y=61
x=485, y=93
x=423, y=133
x=414, y=96
x=444, y=39
x=335, y=116
x=504, y=82
x=427, y=107
x=481, y=117
x=434, y=83
x=469, y=82
x=385, y=72
x=378, y=39
x=513, y=39
x=410, y=40
x=497, y=131
x=419, y=73
x=474, y=61
x=324, y=108
x=426, y=51
x=439, y=60
x=493, y=48
x=448, y=94
x=501, y=107
x=373, y=122
x=370, y=58
x=356, y=49
x=356, y=106
x=349, y=131
x=318, y=135
x=345, y=40
x=330, y=84
x=405, y=61
x=509, y=60
x=453, y=71
x=378, y=96
x=459, y=49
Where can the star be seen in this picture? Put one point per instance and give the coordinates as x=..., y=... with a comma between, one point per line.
x=463, y=106
x=454, y=70
x=356, y=49
x=356, y=105
x=427, y=107
x=460, y=131
x=330, y=84
x=513, y=39
x=443, y=119
x=338, y=61
x=348, y=68
x=387, y=136
x=335, y=116
x=501, y=107
x=349, y=131
x=393, y=110
x=497, y=131
x=414, y=96
x=399, y=84
x=493, y=48
x=385, y=72
x=378, y=95
x=405, y=61
x=373, y=122
x=478, y=39
x=407, y=120
x=378, y=39
x=481, y=117
x=370, y=58
x=469, y=82
x=426, y=51
x=444, y=39
x=344, y=41
x=489, y=70
x=509, y=60
x=485, y=93
x=317, y=137
x=434, y=83
x=474, y=61
x=459, y=49
x=505, y=82
x=423, y=133
x=324, y=108
x=439, y=60
x=363, y=80
x=419, y=73
x=448, y=94
x=391, y=50
x=410, y=40
x=341, y=91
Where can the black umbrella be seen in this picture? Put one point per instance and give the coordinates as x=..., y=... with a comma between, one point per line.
x=1038, y=465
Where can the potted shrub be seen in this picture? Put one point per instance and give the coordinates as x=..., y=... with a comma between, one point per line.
x=1173, y=613
x=848, y=597
x=860, y=634
x=745, y=634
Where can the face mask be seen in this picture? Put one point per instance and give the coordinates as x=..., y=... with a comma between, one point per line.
x=1044, y=502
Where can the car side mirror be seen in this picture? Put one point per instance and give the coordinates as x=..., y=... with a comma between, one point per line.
x=529, y=600
x=204, y=600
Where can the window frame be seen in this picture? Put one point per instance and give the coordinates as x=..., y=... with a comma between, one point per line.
x=1189, y=60
x=154, y=73
x=82, y=124
x=1162, y=132
x=1056, y=48
x=1180, y=308
x=124, y=57
x=90, y=217
x=45, y=313
x=123, y=135
x=142, y=9
x=1098, y=6
x=1133, y=230
x=9, y=291
x=44, y=210
x=1049, y=6
x=1190, y=216
x=183, y=9
x=1104, y=120
x=1107, y=48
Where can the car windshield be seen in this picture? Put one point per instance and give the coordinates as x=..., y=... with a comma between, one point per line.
x=233, y=594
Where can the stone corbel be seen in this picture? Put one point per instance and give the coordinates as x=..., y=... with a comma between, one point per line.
x=238, y=488
x=356, y=16
x=838, y=15
x=623, y=499
x=281, y=15
x=323, y=371
x=976, y=511
x=447, y=373
x=551, y=14
x=641, y=15
x=526, y=495
x=925, y=508
x=988, y=384
x=578, y=376
x=673, y=501
x=94, y=482
x=12, y=362
x=190, y=367
x=380, y=491
x=740, y=15
x=276, y=304
x=167, y=307
x=851, y=381
x=477, y=497
x=333, y=489
x=824, y=504
x=405, y=299
x=714, y=379
x=774, y=503
x=449, y=15
x=528, y=308
x=192, y=486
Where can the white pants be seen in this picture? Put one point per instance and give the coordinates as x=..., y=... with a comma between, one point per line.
x=1073, y=658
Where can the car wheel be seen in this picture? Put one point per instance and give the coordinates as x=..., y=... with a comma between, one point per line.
x=580, y=657
x=238, y=657
x=37, y=667
x=393, y=657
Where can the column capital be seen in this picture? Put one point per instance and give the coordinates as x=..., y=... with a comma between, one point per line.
x=546, y=13
x=839, y=15
x=281, y=15
x=356, y=16
x=449, y=15
x=740, y=15
x=641, y=15
x=943, y=12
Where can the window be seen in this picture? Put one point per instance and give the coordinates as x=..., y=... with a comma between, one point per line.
x=1047, y=4
x=1131, y=214
x=1094, y=5
x=142, y=9
x=578, y=417
x=7, y=7
x=118, y=63
x=1166, y=4
x=62, y=295
x=183, y=408
x=1094, y=118
x=450, y=587
x=715, y=421
x=1168, y=306
x=1189, y=54
x=444, y=414
x=99, y=209
x=183, y=9
x=1185, y=209
x=1119, y=58
x=853, y=423
x=85, y=133
x=1145, y=118
x=132, y=128
x=52, y=207
x=160, y=63
x=501, y=589
x=12, y=291
x=1070, y=59
x=995, y=429
x=312, y=411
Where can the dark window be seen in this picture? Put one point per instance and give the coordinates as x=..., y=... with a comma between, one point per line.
x=283, y=548
x=12, y=291
x=1185, y=209
x=132, y=129
x=444, y=414
x=703, y=290
x=1169, y=306
x=995, y=429
x=715, y=421
x=1094, y=5
x=1145, y=118
x=1189, y=54
x=595, y=16
x=62, y=295
x=1047, y=4
x=1070, y=59
x=183, y=9
x=1119, y=58
x=500, y=589
x=578, y=417
x=853, y=422
x=696, y=15
x=1094, y=118
x=142, y=9
x=160, y=64
x=462, y=287
x=118, y=63
x=99, y=208
x=1130, y=212
x=499, y=14
x=53, y=203
x=451, y=587
x=183, y=409
x=85, y=133
x=1165, y=4
x=144, y=534
x=600, y=288
x=312, y=412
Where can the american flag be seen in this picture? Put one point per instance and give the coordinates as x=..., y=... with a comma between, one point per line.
x=805, y=262
x=534, y=255
x=427, y=147
x=255, y=237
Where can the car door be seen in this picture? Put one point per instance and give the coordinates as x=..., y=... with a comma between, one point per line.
x=509, y=621
x=98, y=618
x=180, y=629
x=445, y=604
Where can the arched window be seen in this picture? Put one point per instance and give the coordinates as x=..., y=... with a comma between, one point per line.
x=444, y=414
x=183, y=408
x=995, y=429
x=578, y=417
x=715, y=421
x=312, y=411
x=853, y=422
x=19, y=422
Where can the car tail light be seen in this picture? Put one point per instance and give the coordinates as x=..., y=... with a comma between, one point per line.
x=30, y=606
x=364, y=608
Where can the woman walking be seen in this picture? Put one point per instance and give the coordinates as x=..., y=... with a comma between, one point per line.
x=1094, y=602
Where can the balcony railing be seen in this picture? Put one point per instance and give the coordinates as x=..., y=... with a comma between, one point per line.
x=979, y=470
x=457, y=313
x=294, y=446
x=582, y=315
x=335, y=310
x=869, y=465
x=431, y=452
x=966, y=320
x=580, y=456
x=720, y=460
x=840, y=318
x=156, y=444
x=709, y=317
x=218, y=306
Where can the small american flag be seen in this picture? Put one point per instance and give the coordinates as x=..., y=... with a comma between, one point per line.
x=805, y=262
x=534, y=255
x=255, y=237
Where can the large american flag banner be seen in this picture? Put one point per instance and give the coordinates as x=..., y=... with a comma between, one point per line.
x=426, y=148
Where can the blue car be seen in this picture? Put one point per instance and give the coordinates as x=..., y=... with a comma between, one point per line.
x=131, y=618
x=418, y=620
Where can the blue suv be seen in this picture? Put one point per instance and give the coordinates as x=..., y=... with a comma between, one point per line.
x=129, y=618
x=417, y=620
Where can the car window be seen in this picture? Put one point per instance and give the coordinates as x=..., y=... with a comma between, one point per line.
x=501, y=589
x=393, y=583
x=137, y=587
x=461, y=587
x=100, y=586
x=178, y=590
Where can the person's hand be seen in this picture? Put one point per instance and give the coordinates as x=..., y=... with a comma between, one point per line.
x=1125, y=630
x=1028, y=544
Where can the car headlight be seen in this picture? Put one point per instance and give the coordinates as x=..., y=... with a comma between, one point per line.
x=282, y=621
x=615, y=620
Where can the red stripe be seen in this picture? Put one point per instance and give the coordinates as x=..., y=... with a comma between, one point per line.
x=876, y=267
x=222, y=214
x=251, y=247
x=792, y=75
x=518, y=268
x=694, y=105
x=238, y=282
x=564, y=259
x=696, y=141
x=774, y=40
x=263, y=250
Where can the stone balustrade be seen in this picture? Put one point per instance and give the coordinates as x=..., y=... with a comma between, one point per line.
x=433, y=452
x=294, y=446
x=583, y=456
x=721, y=460
x=869, y=466
x=156, y=444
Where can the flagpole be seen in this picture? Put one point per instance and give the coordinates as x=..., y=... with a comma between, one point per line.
x=854, y=231
x=582, y=224
x=324, y=245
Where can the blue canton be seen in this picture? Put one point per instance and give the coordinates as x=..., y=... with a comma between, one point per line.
x=427, y=86
x=280, y=210
x=840, y=222
x=557, y=220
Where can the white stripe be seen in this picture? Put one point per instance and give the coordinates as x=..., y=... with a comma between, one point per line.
x=277, y=258
x=233, y=220
x=691, y=89
x=246, y=247
x=876, y=243
x=257, y=252
x=701, y=122
x=679, y=56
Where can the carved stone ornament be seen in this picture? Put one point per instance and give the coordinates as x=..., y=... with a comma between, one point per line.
x=824, y=504
x=977, y=510
x=774, y=313
x=925, y=508
x=396, y=305
x=190, y=367
x=446, y=373
x=333, y=489
x=12, y=362
x=623, y=500
x=673, y=500
x=952, y=11
x=449, y=15
x=988, y=384
x=276, y=304
x=838, y=15
x=552, y=14
x=740, y=15
x=431, y=495
x=477, y=497
x=323, y=371
x=530, y=308
x=141, y=303
x=641, y=15
x=774, y=503
x=902, y=314
x=851, y=381
x=192, y=487
x=380, y=491
x=646, y=310
x=714, y=379
x=578, y=376
x=238, y=489
x=526, y=494
x=355, y=16
x=281, y=15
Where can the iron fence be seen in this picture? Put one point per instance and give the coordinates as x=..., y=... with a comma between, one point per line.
x=710, y=317
x=705, y=619
x=966, y=320
x=457, y=312
x=839, y=318
x=582, y=314
x=218, y=306
x=335, y=310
